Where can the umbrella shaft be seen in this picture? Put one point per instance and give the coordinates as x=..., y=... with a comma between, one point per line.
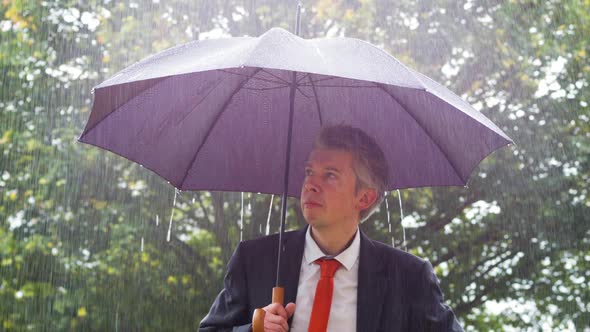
x=286, y=180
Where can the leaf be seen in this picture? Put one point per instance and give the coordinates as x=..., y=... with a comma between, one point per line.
x=82, y=312
x=98, y=205
x=6, y=137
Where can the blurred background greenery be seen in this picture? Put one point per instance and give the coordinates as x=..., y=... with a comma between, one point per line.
x=84, y=233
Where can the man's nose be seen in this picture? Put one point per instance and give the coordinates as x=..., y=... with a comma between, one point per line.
x=310, y=184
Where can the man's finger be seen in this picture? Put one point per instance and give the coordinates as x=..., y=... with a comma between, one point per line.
x=271, y=327
x=290, y=309
x=275, y=322
x=274, y=318
x=277, y=309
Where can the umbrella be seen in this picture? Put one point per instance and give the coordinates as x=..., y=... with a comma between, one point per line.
x=241, y=114
x=220, y=114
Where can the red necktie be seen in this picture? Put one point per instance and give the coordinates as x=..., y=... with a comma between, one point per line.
x=318, y=322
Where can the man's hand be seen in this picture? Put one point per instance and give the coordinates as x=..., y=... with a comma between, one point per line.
x=276, y=317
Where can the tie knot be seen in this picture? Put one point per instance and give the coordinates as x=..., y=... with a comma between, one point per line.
x=328, y=267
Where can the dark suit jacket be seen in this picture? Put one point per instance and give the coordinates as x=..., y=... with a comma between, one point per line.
x=396, y=290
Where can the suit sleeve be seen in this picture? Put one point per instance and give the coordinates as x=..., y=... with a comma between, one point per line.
x=229, y=312
x=428, y=312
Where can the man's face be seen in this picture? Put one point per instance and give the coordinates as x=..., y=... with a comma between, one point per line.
x=328, y=194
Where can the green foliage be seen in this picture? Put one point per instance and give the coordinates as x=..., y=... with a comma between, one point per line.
x=80, y=248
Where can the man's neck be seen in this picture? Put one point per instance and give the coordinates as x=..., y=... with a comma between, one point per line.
x=333, y=241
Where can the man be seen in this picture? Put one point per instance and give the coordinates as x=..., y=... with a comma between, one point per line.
x=335, y=278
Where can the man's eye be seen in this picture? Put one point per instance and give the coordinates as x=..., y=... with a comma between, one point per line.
x=331, y=175
x=307, y=172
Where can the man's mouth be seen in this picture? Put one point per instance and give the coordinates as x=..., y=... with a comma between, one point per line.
x=311, y=204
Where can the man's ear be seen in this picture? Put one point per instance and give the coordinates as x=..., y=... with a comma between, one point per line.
x=367, y=197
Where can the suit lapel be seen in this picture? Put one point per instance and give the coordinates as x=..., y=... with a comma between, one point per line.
x=291, y=263
x=372, y=283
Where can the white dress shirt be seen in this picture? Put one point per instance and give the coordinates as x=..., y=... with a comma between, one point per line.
x=343, y=310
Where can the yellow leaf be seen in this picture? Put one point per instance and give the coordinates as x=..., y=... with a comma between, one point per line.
x=7, y=324
x=349, y=15
x=82, y=312
x=32, y=144
x=99, y=205
x=12, y=195
x=186, y=279
x=13, y=15
x=6, y=137
x=172, y=280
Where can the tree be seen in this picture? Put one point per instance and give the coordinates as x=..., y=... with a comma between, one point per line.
x=78, y=218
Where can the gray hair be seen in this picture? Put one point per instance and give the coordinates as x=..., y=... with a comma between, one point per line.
x=369, y=163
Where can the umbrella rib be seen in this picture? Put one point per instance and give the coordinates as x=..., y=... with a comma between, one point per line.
x=256, y=78
x=264, y=89
x=342, y=86
x=301, y=92
x=317, y=101
x=155, y=82
x=223, y=108
x=302, y=78
x=277, y=77
x=424, y=129
x=197, y=105
x=325, y=79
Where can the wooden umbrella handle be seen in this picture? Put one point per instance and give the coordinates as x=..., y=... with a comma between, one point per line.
x=278, y=296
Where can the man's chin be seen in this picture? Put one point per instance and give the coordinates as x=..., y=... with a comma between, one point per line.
x=314, y=221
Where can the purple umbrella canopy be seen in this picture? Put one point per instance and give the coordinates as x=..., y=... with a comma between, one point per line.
x=216, y=114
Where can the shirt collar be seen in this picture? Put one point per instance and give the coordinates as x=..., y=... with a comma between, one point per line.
x=347, y=258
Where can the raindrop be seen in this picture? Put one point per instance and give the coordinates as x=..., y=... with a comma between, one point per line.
x=242, y=217
x=401, y=212
x=142, y=244
x=117, y=319
x=269, y=212
x=157, y=220
x=389, y=221
x=171, y=216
